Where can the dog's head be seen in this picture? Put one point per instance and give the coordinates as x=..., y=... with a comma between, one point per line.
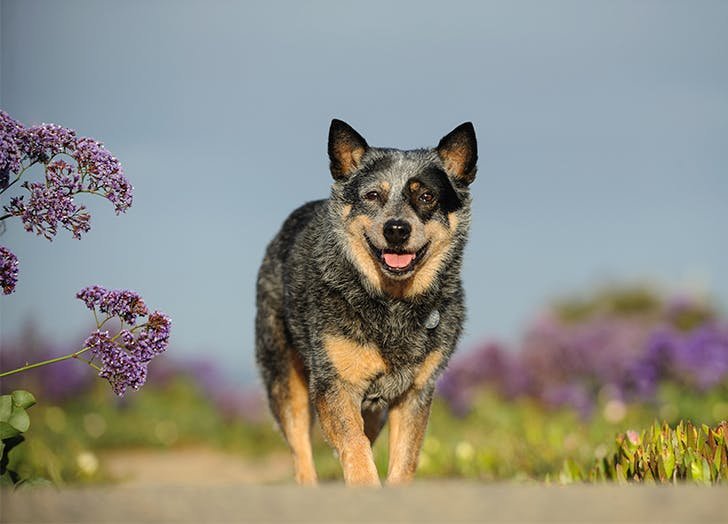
x=405, y=214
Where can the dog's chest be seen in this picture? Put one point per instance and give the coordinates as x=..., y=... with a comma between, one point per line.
x=405, y=348
x=387, y=387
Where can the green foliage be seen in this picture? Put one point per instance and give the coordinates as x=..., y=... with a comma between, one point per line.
x=666, y=455
x=499, y=440
x=14, y=421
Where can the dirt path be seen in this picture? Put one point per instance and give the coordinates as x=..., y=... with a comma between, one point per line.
x=427, y=502
x=198, y=466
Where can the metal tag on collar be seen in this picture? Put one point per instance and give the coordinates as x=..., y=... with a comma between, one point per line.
x=433, y=320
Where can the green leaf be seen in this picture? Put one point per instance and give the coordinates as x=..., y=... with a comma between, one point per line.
x=7, y=431
x=22, y=398
x=19, y=419
x=668, y=460
x=6, y=406
x=717, y=460
x=696, y=470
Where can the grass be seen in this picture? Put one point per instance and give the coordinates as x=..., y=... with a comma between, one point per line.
x=498, y=440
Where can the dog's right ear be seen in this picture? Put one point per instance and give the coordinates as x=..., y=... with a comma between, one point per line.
x=346, y=147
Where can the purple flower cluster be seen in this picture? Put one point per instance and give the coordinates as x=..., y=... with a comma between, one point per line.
x=11, y=152
x=8, y=270
x=121, y=303
x=50, y=203
x=104, y=172
x=43, y=142
x=124, y=357
x=604, y=356
x=698, y=358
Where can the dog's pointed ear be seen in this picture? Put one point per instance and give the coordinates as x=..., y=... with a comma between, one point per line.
x=346, y=147
x=458, y=151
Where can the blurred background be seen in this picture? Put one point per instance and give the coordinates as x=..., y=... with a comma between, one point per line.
x=595, y=272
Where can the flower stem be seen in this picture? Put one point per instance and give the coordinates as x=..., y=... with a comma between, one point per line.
x=46, y=362
x=20, y=173
x=89, y=363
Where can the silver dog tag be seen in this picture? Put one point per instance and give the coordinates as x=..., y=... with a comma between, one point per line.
x=433, y=320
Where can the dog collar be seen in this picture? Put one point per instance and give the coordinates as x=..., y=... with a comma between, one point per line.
x=433, y=320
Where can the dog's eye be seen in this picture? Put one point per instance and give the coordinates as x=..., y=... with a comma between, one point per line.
x=427, y=197
x=371, y=195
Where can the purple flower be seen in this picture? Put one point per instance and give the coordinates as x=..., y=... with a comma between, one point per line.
x=51, y=203
x=698, y=358
x=8, y=270
x=124, y=357
x=11, y=154
x=628, y=352
x=119, y=367
x=122, y=303
x=153, y=338
x=42, y=142
x=105, y=173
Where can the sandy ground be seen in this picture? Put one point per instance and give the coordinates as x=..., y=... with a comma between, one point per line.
x=194, y=467
x=201, y=485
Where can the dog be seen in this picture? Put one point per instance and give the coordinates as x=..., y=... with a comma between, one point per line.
x=360, y=302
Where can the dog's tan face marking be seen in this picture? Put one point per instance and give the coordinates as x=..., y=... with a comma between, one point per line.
x=355, y=364
x=346, y=211
x=439, y=237
x=454, y=221
x=427, y=369
x=360, y=253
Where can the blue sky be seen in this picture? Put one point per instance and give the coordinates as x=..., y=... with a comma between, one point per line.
x=602, y=126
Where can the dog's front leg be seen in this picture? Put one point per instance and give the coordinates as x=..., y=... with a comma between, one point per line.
x=339, y=412
x=407, y=424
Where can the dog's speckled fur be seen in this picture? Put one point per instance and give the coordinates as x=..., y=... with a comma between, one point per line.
x=342, y=335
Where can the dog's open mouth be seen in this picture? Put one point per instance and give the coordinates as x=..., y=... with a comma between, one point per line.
x=398, y=261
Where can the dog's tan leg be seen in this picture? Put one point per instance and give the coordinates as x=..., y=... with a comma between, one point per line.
x=339, y=413
x=407, y=424
x=295, y=416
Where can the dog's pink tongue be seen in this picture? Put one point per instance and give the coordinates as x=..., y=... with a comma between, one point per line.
x=398, y=261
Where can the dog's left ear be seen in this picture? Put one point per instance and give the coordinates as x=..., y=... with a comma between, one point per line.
x=458, y=151
x=346, y=147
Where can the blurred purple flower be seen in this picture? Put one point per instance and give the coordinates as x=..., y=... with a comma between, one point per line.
x=55, y=383
x=8, y=270
x=574, y=363
x=698, y=358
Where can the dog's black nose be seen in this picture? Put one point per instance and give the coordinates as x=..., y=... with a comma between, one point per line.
x=397, y=232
